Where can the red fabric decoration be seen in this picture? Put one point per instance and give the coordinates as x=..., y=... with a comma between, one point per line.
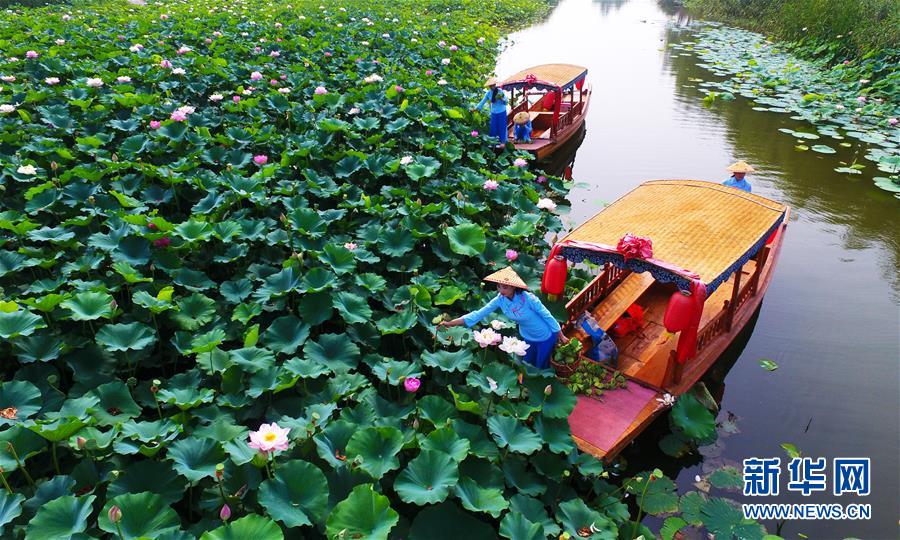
x=631, y=321
x=549, y=100
x=635, y=247
x=579, y=84
x=531, y=78
x=687, y=343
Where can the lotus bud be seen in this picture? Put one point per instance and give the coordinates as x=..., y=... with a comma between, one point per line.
x=283, y=218
x=548, y=390
x=91, y=199
x=225, y=512
x=415, y=424
x=54, y=165
x=115, y=514
x=131, y=382
x=52, y=379
x=115, y=158
x=113, y=305
x=80, y=442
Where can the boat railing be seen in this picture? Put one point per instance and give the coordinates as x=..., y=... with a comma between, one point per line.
x=596, y=290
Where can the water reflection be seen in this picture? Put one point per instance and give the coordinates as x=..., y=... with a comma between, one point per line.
x=609, y=5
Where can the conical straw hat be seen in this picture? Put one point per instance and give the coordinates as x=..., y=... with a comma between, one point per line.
x=507, y=276
x=741, y=166
x=490, y=81
x=521, y=117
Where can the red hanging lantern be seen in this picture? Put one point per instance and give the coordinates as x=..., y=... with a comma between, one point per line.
x=579, y=84
x=678, y=312
x=554, y=279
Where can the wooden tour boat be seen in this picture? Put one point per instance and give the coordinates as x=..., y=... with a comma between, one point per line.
x=556, y=99
x=718, y=243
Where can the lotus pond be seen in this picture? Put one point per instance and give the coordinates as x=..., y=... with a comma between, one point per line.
x=226, y=234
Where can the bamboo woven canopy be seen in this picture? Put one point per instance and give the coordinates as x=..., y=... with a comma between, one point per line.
x=702, y=227
x=553, y=75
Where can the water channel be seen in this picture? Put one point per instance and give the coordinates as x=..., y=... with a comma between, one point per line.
x=831, y=317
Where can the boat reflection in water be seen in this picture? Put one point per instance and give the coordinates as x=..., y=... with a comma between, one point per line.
x=562, y=162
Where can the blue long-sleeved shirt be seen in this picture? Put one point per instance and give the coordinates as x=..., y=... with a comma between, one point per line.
x=497, y=106
x=740, y=184
x=534, y=319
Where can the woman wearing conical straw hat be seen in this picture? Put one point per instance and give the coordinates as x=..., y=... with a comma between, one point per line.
x=739, y=170
x=497, y=99
x=536, y=325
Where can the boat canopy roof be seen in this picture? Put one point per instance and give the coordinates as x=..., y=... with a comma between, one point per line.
x=699, y=231
x=549, y=76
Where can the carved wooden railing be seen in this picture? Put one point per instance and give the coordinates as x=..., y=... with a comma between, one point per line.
x=717, y=325
x=596, y=290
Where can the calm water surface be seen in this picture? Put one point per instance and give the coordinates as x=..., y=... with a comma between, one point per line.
x=831, y=317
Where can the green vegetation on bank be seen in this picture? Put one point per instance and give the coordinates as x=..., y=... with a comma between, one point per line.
x=836, y=29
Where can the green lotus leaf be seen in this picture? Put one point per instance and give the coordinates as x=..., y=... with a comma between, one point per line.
x=427, y=478
x=62, y=518
x=515, y=526
x=691, y=417
x=397, y=323
x=126, y=337
x=196, y=459
x=726, y=478
x=236, y=291
x=423, y=167
x=671, y=526
x=495, y=378
x=129, y=273
x=132, y=250
x=394, y=372
x=193, y=280
x=478, y=499
x=823, y=149
x=436, y=410
x=510, y=433
x=11, y=262
x=353, y=308
x=339, y=258
x=251, y=526
x=466, y=239
x=559, y=404
x=577, y=517
x=363, y=514
x=23, y=397
x=88, y=306
x=194, y=231
x=556, y=433
x=25, y=442
x=154, y=476
x=448, y=295
x=535, y=511
x=10, y=507
x=252, y=359
x=331, y=443
x=173, y=130
x=19, y=323
x=207, y=341
x=372, y=282
x=297, y=496
x=194, y=311
x=347, y=166
x=59, y=429
x=447, y=441
x=185, y=391
x=658, y=493
x=722, y=517
x=144, y=514
x=335, y=351
x=690, y=507
x=395, y=242
x=377, y=447
x=116, y=404
x=449, y=361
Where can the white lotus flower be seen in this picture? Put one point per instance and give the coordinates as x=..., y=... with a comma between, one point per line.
x=6, y=108
x=513, y=345
x=497, y=324
x=216, y=97
x=27, y=169
x=486, y=337
x=667, y=400
x=406, y=160
x=94, y=82
x=373, y=78
x=492, y=384
x=546, y=204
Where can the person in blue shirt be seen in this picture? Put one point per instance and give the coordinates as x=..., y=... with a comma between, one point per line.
x=523, y=127
x=536, y=325
x=739, y=170
x=497, y=99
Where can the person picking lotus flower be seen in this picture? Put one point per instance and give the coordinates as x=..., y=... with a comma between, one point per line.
x=536, y=325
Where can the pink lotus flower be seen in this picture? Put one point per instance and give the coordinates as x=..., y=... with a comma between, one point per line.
x=261, y=159
x=442, y=43
x=490, y=185
x=631, y=247
x=31, y=54
x=178, y=116
x=165, y=64
x=123, y=79
x=225, y=513
x=846, y=62
x=321, y=91
x=183, y=50
x=511, y=255
x=236, y=99
x=52, y=80
x=519, y=162
x=162, y=242
x=445, y=61
x=454, y=48
x=327, y=54
x=154, y=124
x=350, y=245
x=411, y=384
x=255, y=76
x=398, y=89
x=892, y=121
x=540, y=179
x=429, y=72
x=474, y=133
x=861, y=99
x=274, y=54
x=269, y=438
x=207, y=41
x=487, y=337
x=217, y=33
x=273, y=82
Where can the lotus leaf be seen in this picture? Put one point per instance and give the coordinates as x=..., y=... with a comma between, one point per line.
x=251, y=526
x=126, y=337
x=10, y=508
x=22, y=397
x=196, y=459
x=143, y=515
x=466, y=239
x=62, y=518
x=297, y=496
x=363, y=513
x=427, y=478
x=510, y=433
x=19, y=323
x=378, y=448
x=576, y=517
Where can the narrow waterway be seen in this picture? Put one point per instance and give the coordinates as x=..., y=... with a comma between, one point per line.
x=831, y=317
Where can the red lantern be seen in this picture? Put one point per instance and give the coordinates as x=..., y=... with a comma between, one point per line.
x=554, y=280
x=679, y=311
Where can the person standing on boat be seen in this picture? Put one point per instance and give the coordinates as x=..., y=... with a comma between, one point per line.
x=497, y=99
x=536, y=325
x=739, y=170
